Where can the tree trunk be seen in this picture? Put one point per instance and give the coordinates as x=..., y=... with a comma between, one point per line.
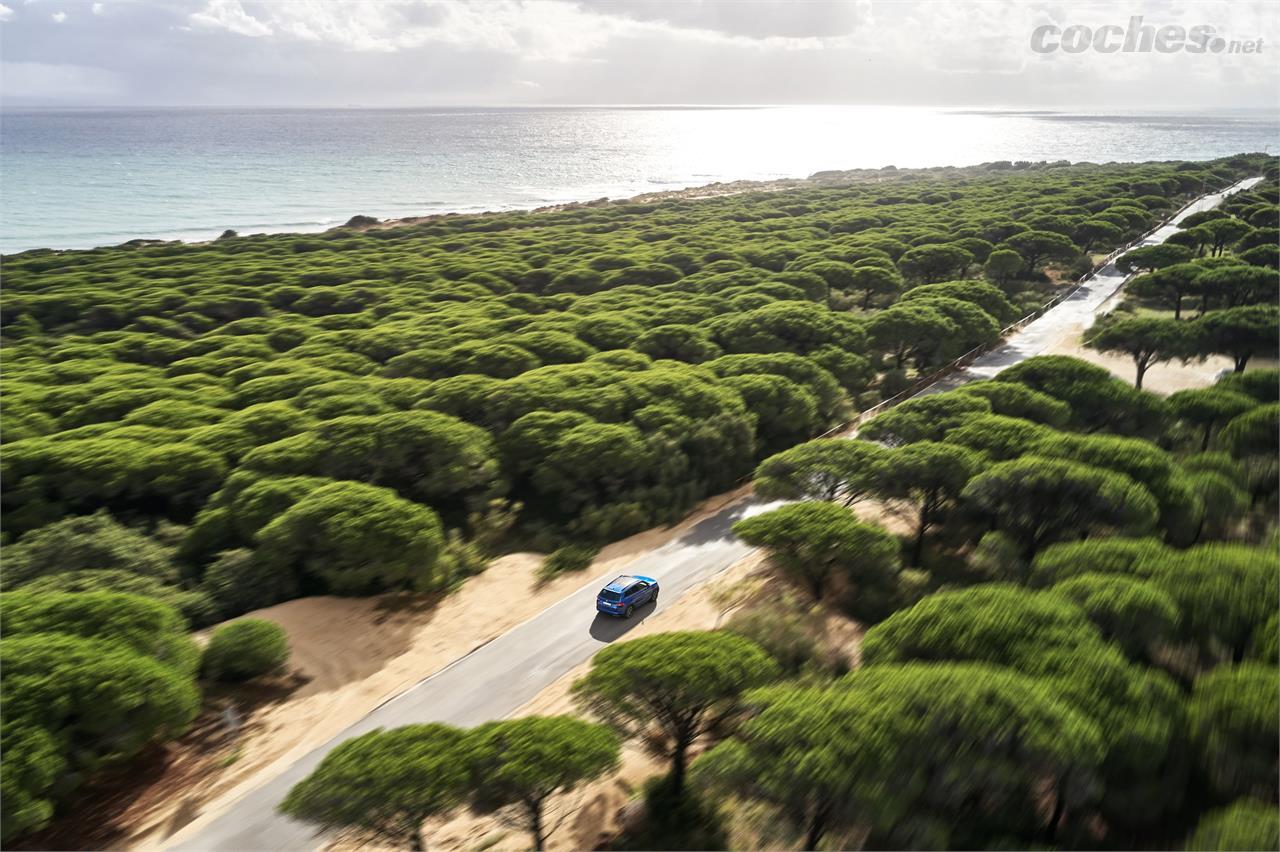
x=1240, y=363
x=1177, y=308
x=415, y=840
x=1142, y=371
x=917, y=549
x=678, y=758
x=535, y=824
x=1059, y=807
x=816, y=587
x=1208, y=431
x=817, y=827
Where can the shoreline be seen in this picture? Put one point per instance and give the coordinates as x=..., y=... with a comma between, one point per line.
x=715, y=189
x=697, y=192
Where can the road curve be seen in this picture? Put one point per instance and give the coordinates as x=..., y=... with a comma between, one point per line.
x=499, y=677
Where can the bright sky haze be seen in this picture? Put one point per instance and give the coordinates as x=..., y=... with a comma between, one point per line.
x=338, y=53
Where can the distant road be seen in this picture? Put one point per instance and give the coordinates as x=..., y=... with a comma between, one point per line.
x=1076, y=311
x=498, y=678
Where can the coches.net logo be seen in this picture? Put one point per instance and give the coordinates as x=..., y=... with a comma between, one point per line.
x=1138, y=37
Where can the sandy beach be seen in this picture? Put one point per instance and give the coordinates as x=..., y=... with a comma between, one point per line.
x=691, y=193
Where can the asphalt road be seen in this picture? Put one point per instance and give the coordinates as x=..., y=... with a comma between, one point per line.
x=499, y=677
x=1076, y=311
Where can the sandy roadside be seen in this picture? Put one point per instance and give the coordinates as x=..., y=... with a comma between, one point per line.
x=594, y=813
x=348, y=656
x=399, y=645
x=1164, y=378
x=591, y=812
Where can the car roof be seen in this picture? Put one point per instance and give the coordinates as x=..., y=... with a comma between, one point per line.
x=620, y=584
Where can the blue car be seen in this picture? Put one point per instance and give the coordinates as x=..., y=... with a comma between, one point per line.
x=623, y=595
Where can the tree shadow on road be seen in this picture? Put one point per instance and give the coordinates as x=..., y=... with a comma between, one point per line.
x=719, y=526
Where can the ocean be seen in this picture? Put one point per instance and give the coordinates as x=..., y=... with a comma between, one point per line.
x=83, y=178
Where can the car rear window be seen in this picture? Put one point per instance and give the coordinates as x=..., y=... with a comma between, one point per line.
x=610, y=596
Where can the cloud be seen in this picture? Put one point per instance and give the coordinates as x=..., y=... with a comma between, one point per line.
x=59, y=17
x=550, y=30
x=438, y=52
x=810, y=19
x=495, y=25
x=229, y=15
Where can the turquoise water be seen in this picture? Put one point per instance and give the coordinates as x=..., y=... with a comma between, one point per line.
x=92, y=177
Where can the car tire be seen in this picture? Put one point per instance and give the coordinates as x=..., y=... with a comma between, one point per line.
x=654, y=600
x=630, y=610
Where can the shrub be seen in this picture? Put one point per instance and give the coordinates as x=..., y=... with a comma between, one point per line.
x=245, y=649
x=74, y=705
x=1245, y=825
x=788, y=637
x=459, y=559
x=238, y=582
x=197, y=607
x=569, y=558
x=143, y=625
x=87, y=543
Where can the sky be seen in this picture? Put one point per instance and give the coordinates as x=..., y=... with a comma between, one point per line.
x=391, y=53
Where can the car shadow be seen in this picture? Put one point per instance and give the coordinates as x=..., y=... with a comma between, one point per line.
x=607, y=628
